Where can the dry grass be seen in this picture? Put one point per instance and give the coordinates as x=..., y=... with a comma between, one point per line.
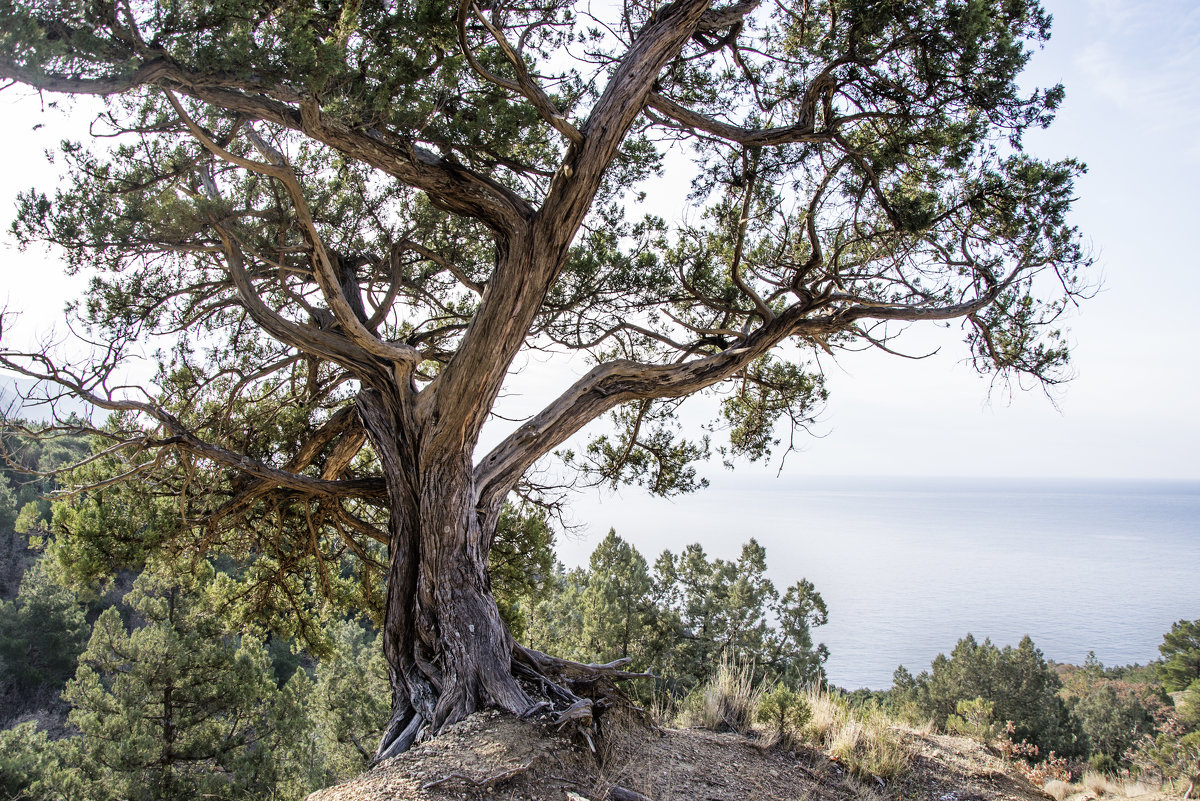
x=1096, y=785
x=867, y=741
x=727, y=702
x=1059, y=790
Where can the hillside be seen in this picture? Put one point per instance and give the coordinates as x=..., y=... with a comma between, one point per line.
x=496, y=757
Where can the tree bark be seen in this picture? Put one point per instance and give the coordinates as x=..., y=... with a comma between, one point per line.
x=448, y=651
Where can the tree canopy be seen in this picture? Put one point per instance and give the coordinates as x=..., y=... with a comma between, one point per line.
x=342, y=223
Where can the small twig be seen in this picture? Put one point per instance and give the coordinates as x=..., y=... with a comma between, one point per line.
x=503, y=776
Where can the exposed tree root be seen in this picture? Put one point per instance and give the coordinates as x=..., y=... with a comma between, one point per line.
x=569, y=693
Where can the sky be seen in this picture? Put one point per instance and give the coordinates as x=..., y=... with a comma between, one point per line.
x=1132, y=108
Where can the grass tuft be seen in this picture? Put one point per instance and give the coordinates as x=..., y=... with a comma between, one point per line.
x=727, y=702
x=1058, y=789
x=865, y=740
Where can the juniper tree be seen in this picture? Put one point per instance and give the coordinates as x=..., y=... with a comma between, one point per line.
x=353, y=218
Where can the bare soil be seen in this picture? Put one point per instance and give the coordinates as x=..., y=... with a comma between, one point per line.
x=494, y=757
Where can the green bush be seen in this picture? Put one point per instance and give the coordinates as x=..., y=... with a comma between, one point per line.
x=1188, y=707
x=1105, y=764
x=1113, y=719
x=785, y=711
x=974, y=718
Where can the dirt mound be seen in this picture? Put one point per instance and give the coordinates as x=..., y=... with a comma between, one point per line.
x=494, y=757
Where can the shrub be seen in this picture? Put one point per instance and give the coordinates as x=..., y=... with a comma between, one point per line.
x=1188, y=707
x=785, y=711
x=973, y=719
x=1113, y=719
x=1104, y=764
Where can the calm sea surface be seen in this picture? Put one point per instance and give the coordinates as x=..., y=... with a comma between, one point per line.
x=908, y=566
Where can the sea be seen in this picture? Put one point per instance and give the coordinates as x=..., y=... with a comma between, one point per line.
x=908, y=566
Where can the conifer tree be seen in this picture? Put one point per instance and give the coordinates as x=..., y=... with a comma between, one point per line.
x=1018, y=682
x=42, y=633
x=349, y=704
x=731, y=611
x=686, y=619
x=175, y=707
x=1180, y=651
x=617, y=605
x=354, y=218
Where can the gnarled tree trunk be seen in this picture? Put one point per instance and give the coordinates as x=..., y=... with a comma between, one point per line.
x=448, y=651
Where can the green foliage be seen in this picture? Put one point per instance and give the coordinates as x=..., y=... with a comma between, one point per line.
x=1017, y=682
x=26, y=755
x=1104, y=764
x=521, y=564
x=769, y=390
x=974, y=718
x=783, y=709
x=1188, y=706
x=31, y=460
x=1113, y=720
x=723, y=609
x=1180, y=651
x=31, y=518
x=178, y=706
x=42, y=633
x=1168, y=757
x=617, y=604
x=684, y=618
x=95, y=535
x=350, y=700
x=646, y=450
x=8, y=505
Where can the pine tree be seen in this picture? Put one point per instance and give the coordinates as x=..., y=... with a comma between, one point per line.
x=175, y=707
x=1018, y=682
x=617, y=605
x=730, y=611
x=1180, y=651
x=42, y=633
x=349, y=702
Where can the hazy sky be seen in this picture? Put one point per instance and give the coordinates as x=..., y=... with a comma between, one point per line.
x=1132, y=113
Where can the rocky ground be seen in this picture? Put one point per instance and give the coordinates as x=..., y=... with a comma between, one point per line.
x=494, y=757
